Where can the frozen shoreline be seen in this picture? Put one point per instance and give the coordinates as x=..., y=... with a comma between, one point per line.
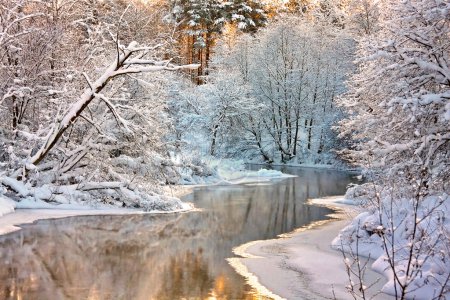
x=11, y=220
x=313, y=166
x=302, y=264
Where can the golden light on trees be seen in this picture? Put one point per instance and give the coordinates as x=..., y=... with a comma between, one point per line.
x=230, y=33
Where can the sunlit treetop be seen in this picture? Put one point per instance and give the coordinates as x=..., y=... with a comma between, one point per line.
x=209, y=16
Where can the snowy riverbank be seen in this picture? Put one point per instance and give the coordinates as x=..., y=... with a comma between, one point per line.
x=13, y=213
x=408, y=237
x=302, y=264
x=305, y=165
x=229, y=171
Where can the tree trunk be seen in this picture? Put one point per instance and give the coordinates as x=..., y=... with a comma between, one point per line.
x=320, y=149
x=213, y=142
x=310, y=133
x=208, y=42
x=75, y=111
x=296, y=136
x=200, y=70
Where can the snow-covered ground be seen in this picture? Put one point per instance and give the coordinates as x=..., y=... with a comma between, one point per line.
x=10, y=222
x=423, y=252
x=24, y=212
x=301, y=265
x=304, y=165
x=238, y=175
x=227, y=171
x=6, y=206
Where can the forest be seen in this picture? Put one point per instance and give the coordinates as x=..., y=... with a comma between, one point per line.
x=117, y=98
x=112, y=102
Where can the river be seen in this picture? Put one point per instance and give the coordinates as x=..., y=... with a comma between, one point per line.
x=171, y=256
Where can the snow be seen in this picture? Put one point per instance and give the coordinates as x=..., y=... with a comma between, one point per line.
x=50, y=201
x=301, y=265
x=17, y=186
x=233, y=172
x=29, y=211
x=290, y=268
x=364, y=235
x=6, y=205
x=228, y=171
x=305, y=165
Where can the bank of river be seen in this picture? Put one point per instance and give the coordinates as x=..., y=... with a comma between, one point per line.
x=170, y=256
x=301, y=264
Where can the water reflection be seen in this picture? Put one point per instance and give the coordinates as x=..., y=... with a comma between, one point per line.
x=179, y=256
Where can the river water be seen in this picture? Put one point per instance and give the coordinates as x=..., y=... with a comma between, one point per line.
x=173, y=256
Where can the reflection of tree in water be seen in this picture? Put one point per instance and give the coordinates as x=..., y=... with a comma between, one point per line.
x=118, y=257
x=90, y=257
x=188, y=277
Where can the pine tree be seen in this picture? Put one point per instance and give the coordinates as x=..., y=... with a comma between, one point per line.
x=202, y=21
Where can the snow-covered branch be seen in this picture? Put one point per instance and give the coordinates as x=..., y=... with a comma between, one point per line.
x=119, y=67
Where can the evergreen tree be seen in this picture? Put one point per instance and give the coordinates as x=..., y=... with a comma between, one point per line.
x=201, y=21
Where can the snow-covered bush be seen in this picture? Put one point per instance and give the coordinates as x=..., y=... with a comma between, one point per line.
x=409, y=240
x=361, y=194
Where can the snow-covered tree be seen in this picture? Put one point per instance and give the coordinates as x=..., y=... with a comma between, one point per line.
x=364, y=16
x=293, y=71
x=398, y=102
x=79, y=120
x=271, y=96
x=398, y=108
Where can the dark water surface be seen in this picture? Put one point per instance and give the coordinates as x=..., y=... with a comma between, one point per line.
x=175, y=256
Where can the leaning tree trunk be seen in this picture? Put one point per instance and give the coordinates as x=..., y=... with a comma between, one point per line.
x=124, y=64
